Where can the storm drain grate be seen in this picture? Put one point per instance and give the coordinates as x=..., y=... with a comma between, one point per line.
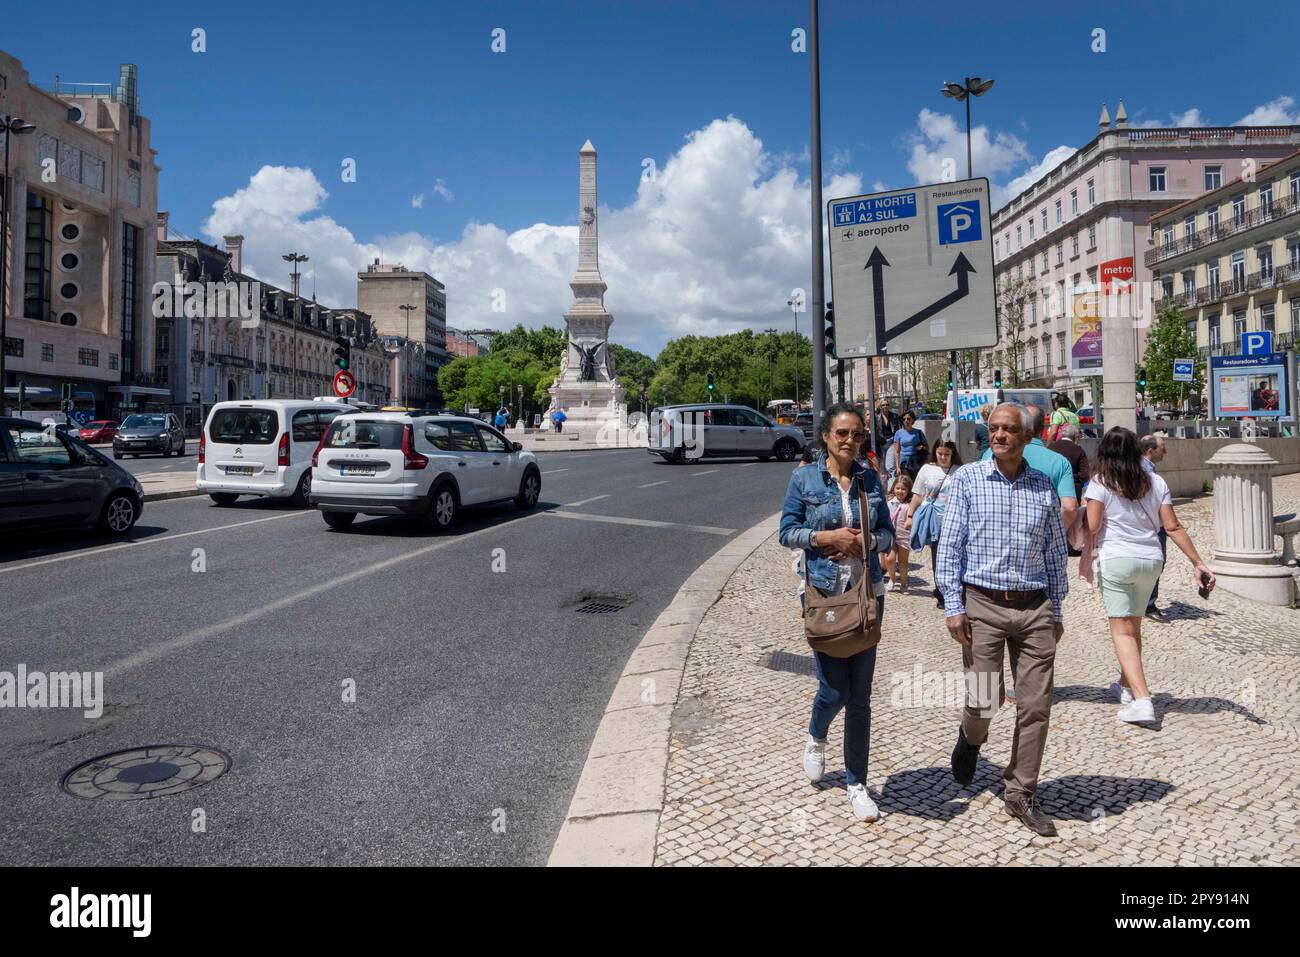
x=601, y=607
x=142, y=774
x=789, y=661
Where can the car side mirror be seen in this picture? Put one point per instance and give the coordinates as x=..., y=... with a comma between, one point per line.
x=516, y=446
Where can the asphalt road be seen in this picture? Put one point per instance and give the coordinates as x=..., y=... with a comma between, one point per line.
x=156, y=463
x=477, y=692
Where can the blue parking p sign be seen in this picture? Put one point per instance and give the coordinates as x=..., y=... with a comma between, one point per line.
x=1256, y=343
x=959, y=222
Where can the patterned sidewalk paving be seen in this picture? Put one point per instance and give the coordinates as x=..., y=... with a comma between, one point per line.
x=1216, y=782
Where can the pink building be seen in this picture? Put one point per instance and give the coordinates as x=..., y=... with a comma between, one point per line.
x=1083, y=227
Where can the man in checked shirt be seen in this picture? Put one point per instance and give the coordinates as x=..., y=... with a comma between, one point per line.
x=1001, y=570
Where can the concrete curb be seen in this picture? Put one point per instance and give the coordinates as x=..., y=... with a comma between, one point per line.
x=178, y=493
x=613, y=819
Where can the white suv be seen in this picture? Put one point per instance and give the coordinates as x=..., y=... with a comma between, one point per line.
x=395, y=463
x=262, y=447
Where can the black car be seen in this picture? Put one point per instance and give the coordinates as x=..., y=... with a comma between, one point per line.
x=49, y=478
x=149, y=433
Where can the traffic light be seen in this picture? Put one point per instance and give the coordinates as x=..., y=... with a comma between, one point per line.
x=997, y=378
x=950, y=382
x=830, y=330
x=343, y=354
x=1142, y=380
x=709, y=383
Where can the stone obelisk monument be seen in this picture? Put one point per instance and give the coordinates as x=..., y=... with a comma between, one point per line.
x=586, y=388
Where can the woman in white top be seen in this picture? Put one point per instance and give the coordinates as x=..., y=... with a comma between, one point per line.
x=1127, y=507
x=932, y=482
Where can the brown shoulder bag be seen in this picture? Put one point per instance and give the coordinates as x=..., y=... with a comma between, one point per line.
x=843, y=625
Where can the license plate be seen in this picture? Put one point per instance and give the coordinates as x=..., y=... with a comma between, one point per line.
x=357, y=470
x=239, y=470
x=135, y=445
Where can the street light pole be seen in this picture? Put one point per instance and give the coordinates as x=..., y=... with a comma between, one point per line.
x=295, y=258
x=406, y=372
x=815, y=178
x=14, y=125
x=794, y=307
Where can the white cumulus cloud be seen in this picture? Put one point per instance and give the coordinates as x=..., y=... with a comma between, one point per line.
x=714, y=243
x=1278, y=112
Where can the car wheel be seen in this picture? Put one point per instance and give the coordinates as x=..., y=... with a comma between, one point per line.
x=117, y=456
x=678, y=456
x=786, y=450
x=339, y=521
x=120, y=513
x=529, y=489
x=223, y=498
x=300, y=494
x=442, y=508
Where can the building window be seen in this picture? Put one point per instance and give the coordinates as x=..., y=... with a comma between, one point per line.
x=1264, y=256
x=1212, y=221
x=1266, y=317
x=1266, y=200
x=1060, y=253
x=13, y=347
x=1295, y=186
x=47, y=352
x=1031, y=230
x=160, y=373
x=1213, y=177
x=1167, y=287
x=163, y=346
x=1044, y=220
x=997, y=249
x=1189, y=227
x=1189, y=281
x=1212, y=277
x=1044, y=266
x=1293, y=254
x=1019, y=243
x=1156, y=177
x=1295, y=317
x=1191, y=329
x=1092, y=193
x=112, y=360
x=130, y=239
x=1167, y=236
x=1033, y=312
x=1058, y=212
x=1238, y=209
x=1074, y=245
x=38, y=257
x=1238, y=325
x=1074, y=202
x=1216, y=333
x=1060, y=350
x=1239, y=271
x=88, y=357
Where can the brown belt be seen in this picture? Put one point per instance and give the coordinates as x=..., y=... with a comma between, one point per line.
x=1002, y=597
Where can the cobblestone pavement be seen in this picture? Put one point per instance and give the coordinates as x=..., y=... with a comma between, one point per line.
x=1216, y=782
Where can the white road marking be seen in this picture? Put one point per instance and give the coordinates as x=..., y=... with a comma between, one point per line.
x=553, y=471
x=595, y=498
x=172, y=645
x=653, y=484
x=149, y=541
x=706, y=472
x=645, y=522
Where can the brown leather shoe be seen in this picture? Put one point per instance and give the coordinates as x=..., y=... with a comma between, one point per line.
x=1033, y=818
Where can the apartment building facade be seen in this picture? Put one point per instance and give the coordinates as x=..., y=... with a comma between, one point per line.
x=281, y=348
x=1230, y=259
x=82, y=196
x=1085, y=226
x=384, y=291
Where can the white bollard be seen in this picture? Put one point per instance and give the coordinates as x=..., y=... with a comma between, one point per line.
x=1244, y=560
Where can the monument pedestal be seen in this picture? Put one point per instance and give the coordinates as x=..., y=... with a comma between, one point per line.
x=1244, y=560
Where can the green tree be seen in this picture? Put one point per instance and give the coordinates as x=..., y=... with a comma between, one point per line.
x=1013, y=294
x=547, y=343
x=1167, y=340
x=635, y=370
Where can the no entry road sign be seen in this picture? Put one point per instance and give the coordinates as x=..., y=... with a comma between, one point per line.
x=912, y=270
x=344, y=384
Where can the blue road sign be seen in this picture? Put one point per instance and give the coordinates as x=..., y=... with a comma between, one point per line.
x=876, y=209
x=959, y=222
x=1183, y=369
x=1256, y=343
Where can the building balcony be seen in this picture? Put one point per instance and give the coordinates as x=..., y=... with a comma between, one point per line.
x=1257, y=216
x=227, y=359
x=197, y=355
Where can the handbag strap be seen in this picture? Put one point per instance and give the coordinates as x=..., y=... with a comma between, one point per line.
x=862, y=536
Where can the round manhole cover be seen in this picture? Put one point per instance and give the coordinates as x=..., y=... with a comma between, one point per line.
x=144, y=773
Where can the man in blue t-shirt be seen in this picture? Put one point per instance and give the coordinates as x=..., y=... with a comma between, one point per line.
x=1052, y=464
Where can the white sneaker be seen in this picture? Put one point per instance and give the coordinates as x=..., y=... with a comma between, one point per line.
x=890, y=586
x=814, y=759
x=1122, y=695
x=1138, y=711
x=864, y=809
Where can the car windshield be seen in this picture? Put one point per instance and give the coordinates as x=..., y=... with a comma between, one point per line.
x=244, y=426
x=365, y=434
x=145, y=422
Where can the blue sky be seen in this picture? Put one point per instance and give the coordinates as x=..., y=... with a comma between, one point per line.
x=413, y=92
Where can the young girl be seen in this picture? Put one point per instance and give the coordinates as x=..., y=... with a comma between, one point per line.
x=895, y=561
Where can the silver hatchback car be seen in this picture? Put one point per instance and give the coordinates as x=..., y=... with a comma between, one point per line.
x=681, y=432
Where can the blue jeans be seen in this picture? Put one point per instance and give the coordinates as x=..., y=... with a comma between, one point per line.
x=1156, y=591
x=845, y=683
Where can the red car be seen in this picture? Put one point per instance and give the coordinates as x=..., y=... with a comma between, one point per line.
x=101, y=431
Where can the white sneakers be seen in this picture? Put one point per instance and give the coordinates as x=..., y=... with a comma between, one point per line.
x=1120, y=693
x=1138, y=711
x=864, y=809
x=814, y=765
x=814, y=759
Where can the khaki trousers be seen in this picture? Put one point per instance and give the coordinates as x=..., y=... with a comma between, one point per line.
x=1028, y=632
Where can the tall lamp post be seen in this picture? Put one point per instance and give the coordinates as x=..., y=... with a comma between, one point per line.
x=295, y=258
x=795, y=305
x=17, y=126
x=406, y=374
x=771, y=347
x=962, y=93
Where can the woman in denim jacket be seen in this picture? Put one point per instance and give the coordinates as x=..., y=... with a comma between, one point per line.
x=813, y=518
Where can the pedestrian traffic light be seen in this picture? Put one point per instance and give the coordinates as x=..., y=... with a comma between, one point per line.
x=1142, y=380
x=709, y=383
x=830, y=330
x=343, y=354
x=997, y=378
x=950, y=382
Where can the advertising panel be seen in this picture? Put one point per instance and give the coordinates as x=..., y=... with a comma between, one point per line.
x=1249, y=386
x=1085, y=335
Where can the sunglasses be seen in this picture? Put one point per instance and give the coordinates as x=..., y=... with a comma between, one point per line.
x=846, y=433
